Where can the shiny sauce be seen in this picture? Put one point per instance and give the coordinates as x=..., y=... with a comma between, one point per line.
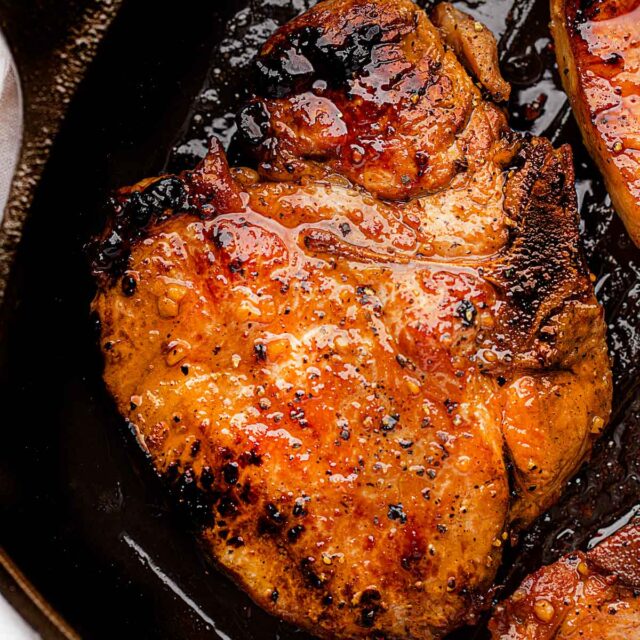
x=609, y=63
x=605, y=494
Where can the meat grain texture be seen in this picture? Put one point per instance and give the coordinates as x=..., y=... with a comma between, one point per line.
x=362, y=366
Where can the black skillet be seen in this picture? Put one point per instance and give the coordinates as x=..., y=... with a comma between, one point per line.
x=81, y=514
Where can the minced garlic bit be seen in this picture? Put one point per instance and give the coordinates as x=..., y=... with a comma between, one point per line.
x=544, y=610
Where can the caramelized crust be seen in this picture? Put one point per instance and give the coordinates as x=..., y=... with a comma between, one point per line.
x=369, y=90
x=598, y=49
x=474, y=45
x=591, y=596
x=358, y=398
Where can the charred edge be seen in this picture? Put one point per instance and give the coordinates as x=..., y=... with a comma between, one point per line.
x=194, y=501
x=543, y=255
x=130, y=215
x=581, y=11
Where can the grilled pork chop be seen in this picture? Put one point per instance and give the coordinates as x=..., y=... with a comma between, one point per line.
x=598, y=49
x=363, y=366
x=587, y=596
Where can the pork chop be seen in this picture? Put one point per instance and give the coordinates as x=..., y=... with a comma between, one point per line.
x=364, y=365
x=598, y=49
x=586, y=596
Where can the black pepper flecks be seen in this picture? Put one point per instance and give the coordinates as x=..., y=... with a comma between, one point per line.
x=389, y=422
x=467, y=312
x=260, y=351
x=299, y=508
x=396, y=512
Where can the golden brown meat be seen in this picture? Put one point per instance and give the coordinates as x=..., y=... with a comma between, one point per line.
x=598, y=49
x=358, y=398
x=474, y=45
x=585, y=596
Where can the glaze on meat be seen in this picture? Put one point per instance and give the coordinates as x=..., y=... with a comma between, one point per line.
x=590, y=596
x=361, y=367
x=598, y=49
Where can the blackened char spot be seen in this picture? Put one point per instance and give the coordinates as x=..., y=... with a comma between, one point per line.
x=273, y=520
x=310, y=576
x=132, y=213
x=295, y=532
x=163, y=194
x=129, y=284
x=206, y=477
x=230, y=472
x=260, y=351
x=370, y=603
x=227, y=506
x=307, y=54
x=236, y=542
x=196, y=501
x=274, y=513
x=247, y=495
x=298, y=507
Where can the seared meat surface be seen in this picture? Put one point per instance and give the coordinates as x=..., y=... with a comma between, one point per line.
x=590, y=596
x=598, y=49
x=361, y=367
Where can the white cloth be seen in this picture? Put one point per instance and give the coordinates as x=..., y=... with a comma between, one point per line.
x=12, y=626
x=10, y=122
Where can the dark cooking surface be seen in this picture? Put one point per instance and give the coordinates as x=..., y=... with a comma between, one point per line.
x=81, y=512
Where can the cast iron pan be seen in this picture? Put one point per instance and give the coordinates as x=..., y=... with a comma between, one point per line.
x=82, y=515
